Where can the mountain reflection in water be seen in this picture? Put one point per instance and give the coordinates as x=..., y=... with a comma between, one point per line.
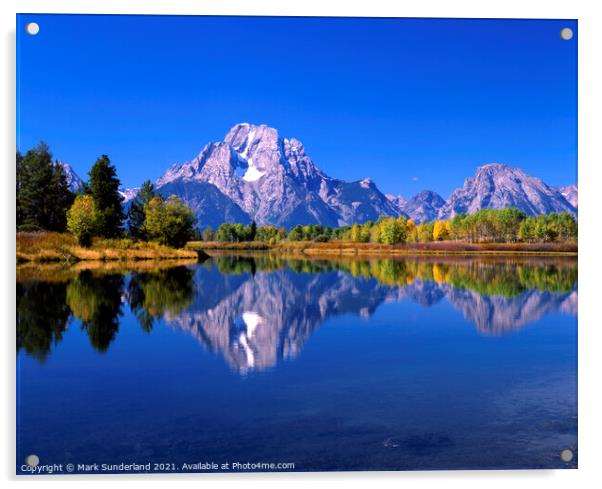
x=257, y=310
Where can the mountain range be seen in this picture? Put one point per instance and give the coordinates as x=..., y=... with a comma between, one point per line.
x=257, y=174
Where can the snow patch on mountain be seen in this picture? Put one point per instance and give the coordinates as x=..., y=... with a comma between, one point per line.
x=128, y=193
x=570, y=193
x=252, y=174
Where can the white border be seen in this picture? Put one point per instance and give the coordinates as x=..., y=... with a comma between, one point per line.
x=590, y=158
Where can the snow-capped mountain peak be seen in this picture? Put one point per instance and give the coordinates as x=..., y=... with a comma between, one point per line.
x=272, y=180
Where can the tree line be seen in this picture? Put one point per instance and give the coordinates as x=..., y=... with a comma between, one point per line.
x=46, y=203
x=508, y=225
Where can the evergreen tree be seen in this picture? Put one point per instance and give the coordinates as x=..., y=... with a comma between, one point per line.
x=60, y=198
x=35, y=174
x=104, y=188
x=18, y=181
x=43, y=195
x=136, y=214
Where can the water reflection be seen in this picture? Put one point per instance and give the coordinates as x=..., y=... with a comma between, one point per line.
x=95, y=299
x=150, y=295
x=42, y=316
x=257, y=310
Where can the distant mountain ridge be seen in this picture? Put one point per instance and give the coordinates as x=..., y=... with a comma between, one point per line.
x=257, y=174
x=76, y=184
x=423, y=207
x=496, y=186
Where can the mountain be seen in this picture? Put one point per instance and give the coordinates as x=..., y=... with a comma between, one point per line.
x=424, y=206
x=74, y=182
x=397, y=200
x=128, y=193
x=570, y=193
x=256, y=174
x=496, y=186
x=211, y=206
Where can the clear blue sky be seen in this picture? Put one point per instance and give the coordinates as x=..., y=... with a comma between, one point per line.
x=412, y=103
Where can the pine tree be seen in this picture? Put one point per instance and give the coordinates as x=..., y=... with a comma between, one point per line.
x=136, y=214
x=104, y=188
x=35, y=175
x=43, y=196
x=19, y=172
x=61, y=198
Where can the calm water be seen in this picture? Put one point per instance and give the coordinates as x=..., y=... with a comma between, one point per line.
x=422, y=363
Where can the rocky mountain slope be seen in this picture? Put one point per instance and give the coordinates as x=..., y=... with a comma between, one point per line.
x=423, y=207
x=270, y=179
x=73, y=180
x=570, y=193
x=496, y=186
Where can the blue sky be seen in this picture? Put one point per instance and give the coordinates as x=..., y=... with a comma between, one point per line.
x=411, y=103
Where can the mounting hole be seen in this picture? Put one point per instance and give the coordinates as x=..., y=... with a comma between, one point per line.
x=32, y=28
x=566, y=455
x=32, y=460
x=566, y=33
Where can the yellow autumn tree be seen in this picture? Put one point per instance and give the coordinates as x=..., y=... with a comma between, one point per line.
x=441, y=231
x=83, y=219
x=355, y=233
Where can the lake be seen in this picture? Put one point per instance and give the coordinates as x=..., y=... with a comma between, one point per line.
x=329, y=364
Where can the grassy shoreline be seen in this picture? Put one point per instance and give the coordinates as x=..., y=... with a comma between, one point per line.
x=348, y=248
x=47, y=247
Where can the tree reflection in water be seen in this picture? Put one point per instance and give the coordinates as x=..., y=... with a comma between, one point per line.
x=42, y=316
x=95, y=299
x=153, y=294
x=255, y=310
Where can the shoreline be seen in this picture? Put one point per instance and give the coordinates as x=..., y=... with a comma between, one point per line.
x=345, y=248
x=63, y=248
